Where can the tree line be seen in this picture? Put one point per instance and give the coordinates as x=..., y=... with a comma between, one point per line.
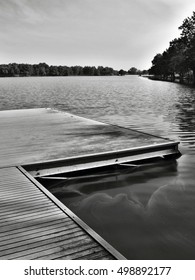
x=178, y=60
x=43, y=69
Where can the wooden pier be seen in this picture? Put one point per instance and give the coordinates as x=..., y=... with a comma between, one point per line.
x=42, y=142
x=33, y=226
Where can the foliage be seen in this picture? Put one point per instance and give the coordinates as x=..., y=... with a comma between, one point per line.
x=133, y=71
x=122, y=72
x=42, y=69
x=179, y=58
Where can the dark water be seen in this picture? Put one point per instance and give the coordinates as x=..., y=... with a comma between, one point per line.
x=147, y=214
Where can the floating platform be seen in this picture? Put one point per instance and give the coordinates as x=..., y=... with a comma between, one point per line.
x=48, y=141
x=38, y=143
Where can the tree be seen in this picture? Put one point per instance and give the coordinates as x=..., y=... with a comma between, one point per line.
x=25, y=69
x=53, y=71
x=43, y=69
x=88, y=71
x=188, y=30
x=4, y=70
x=132, y=71
x=177, y=61
x=77, y=70
x=180, y=56
x=144, y=72
x=156, y=68
x=188, y=38
x=121, y=72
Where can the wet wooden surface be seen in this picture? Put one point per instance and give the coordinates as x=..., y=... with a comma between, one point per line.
x=34, y=227
x=38, y=135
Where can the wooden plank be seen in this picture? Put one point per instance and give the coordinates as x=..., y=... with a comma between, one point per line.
x=37, y=234
x=48, y=246
x=11, y=196
x=78, y=247
x=24, y=218
x=22, y=200
x=32, y=223
x=24, y=206
x=91, y=253
x=38, y=241
x=35, y=227
x=11, y=214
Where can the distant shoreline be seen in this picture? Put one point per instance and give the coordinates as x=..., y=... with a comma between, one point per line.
x=43, y=69
x=185, y=81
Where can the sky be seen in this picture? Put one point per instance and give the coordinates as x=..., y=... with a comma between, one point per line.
x=117, y=33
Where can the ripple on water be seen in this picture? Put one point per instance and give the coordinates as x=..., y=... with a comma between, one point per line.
x=147, y=214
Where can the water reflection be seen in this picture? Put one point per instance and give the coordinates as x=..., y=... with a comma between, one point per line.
x=185, y=117
x=147, y=214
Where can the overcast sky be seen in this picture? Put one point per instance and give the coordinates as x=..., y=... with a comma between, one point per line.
x=115, y=33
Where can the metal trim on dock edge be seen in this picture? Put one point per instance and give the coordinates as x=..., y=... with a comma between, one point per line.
x=68, y=212
x=80, y=163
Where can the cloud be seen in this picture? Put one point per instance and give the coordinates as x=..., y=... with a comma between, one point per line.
x=119, y=32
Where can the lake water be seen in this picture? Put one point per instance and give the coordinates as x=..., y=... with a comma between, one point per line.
x=148, y=214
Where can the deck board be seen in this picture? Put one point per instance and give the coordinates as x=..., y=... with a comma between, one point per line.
x=38, y=135
x=46, y=232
